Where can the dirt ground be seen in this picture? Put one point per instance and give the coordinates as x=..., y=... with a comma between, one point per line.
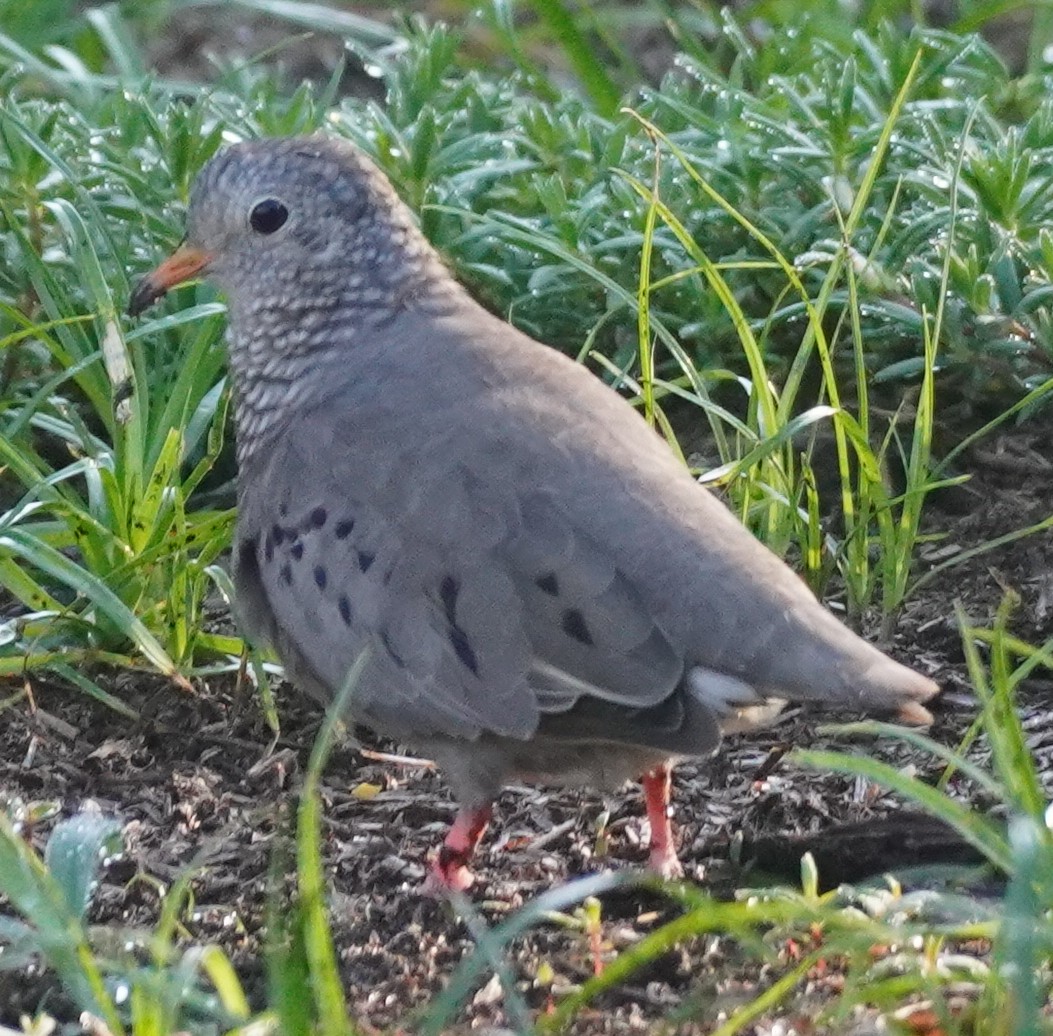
x=197, y=785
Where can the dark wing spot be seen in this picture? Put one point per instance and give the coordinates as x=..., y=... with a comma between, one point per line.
x=344, y=527
x=320, y=577
x=365, y=559
x=268, y=548
x=345, y=609
x=449, y=590
x=464, y=649
x=574, y=625
x=286, y=574
x=297, y=550
x=278, y=535
x=316, y=519
x=248, y=558
x=549, y=583
x=385, y=640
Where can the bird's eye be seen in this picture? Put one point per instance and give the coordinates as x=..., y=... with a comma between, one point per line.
x=267, y=216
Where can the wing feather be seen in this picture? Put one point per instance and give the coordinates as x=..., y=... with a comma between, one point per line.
x=483, y=606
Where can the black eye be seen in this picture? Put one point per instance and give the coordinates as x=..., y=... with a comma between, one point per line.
x=267, y=216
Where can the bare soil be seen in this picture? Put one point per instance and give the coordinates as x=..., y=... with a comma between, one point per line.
x=199, y=787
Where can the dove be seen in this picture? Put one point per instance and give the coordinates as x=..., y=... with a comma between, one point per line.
x=538, y=587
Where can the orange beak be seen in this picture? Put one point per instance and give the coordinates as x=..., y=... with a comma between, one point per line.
x=185, y=262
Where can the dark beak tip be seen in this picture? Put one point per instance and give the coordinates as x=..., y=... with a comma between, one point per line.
x=144, y=295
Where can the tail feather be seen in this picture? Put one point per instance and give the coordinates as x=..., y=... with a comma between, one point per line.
x=886, y=685
x=914, y=714
x=858, y=678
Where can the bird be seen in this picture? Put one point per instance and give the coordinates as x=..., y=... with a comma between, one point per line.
x=537, y=586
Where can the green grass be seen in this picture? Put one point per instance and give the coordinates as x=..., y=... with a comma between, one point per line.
x=835, y=233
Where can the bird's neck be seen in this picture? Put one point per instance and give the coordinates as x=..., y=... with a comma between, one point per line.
x=292, y=351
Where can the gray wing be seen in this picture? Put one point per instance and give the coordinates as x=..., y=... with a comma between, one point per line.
x=484, y=608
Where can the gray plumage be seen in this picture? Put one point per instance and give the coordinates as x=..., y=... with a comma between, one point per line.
x=546, y=591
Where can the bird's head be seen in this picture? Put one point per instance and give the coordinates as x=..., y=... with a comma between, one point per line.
x=284, y=218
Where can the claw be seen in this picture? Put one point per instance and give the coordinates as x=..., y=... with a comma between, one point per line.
x=449, y=872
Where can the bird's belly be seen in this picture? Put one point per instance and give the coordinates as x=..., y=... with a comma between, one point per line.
x=478, y=770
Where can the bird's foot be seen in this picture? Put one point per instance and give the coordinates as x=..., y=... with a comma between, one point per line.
x=664, y=862
x=450, y=871
x=448, y=874
x=663, y=859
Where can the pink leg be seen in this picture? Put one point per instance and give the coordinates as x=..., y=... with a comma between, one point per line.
x=656, y=786
x=450, y=871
